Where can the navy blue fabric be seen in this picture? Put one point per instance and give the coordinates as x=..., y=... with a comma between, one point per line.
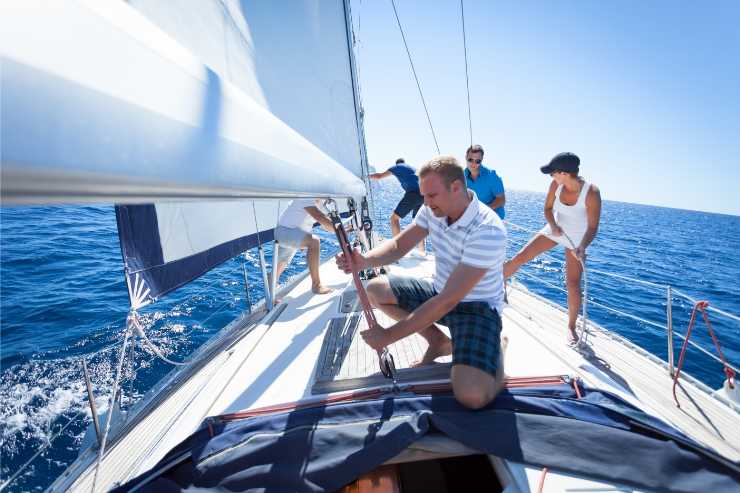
x=410, y=202
x=326, y=447
x=138, y=233
x=406, y=175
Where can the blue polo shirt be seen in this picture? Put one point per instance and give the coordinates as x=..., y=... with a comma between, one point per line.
x=407, y=176
x=487, y=187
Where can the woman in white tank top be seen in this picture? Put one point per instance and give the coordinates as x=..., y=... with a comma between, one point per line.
x=572, y=211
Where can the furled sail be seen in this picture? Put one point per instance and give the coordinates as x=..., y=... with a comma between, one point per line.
x=100, y=104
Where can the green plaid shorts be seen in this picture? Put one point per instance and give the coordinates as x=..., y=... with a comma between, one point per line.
x=475, y=326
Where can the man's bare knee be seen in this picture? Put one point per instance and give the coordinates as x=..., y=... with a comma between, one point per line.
x=473, y=387
x=380, y=293
x=473, y=398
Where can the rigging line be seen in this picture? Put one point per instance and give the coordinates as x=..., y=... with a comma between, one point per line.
x=633, y=317
x=710, y=307
x=418, y=85
x=467, y=81
x=111, y=408
x=358, y=41
x=256, y=225
x=139, y=331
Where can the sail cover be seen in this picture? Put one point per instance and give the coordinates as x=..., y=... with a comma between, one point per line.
x=103, y=103
x=324, y=447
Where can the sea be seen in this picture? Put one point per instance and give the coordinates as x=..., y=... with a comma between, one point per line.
x=63, y=299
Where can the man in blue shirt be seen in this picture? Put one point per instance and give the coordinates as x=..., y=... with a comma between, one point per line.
x=486, y=184
x=411, y=200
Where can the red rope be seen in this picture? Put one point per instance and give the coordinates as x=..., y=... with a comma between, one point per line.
x=576, y=388
x=702, y=307
x=419, y=389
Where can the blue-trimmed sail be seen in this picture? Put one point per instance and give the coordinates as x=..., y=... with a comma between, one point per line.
x=165, y=246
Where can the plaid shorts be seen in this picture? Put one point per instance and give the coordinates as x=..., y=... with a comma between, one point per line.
x=475, y=326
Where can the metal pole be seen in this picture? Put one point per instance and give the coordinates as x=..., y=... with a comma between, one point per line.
x=669, y=326
x=274, y=279
x=265, y=281
x=93, y=407
x=246, y=283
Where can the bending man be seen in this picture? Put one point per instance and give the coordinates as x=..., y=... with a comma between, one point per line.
x=294, y=231
x=411, y=200
x=467, y=294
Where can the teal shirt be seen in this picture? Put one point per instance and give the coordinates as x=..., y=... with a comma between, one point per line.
x=487, y=187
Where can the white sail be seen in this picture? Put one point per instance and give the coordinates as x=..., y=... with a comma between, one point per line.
x=293, y=58
x=101, y=104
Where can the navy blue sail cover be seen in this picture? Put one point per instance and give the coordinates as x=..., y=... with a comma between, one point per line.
x=145, y=251
x=326, y=447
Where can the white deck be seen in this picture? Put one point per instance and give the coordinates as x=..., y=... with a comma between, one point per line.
x=276, y=363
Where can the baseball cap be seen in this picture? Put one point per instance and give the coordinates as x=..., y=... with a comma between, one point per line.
x=565, y=161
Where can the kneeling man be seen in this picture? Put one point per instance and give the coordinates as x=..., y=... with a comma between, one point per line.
x=469, y=241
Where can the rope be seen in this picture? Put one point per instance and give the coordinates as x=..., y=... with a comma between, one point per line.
x=710, y=308
x=467, y=81
x=138, y=329
x=630, y=316
x=418, y=85
x=111, y=404
x=729, y=372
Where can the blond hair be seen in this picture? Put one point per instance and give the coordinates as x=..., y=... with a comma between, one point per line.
x=446, y=167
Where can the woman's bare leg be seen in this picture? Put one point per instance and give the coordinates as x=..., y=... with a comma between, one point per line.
x=573, y=271
x=538, y=244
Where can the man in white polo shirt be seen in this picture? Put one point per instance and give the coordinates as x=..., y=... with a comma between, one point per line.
x=294, y=231
x=467, y=294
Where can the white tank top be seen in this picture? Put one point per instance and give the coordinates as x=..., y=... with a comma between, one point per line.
x=572, y=218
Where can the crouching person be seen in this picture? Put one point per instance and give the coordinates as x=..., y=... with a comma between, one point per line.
x=469, y=241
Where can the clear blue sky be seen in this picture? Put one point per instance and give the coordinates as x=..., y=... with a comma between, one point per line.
x=647, y=93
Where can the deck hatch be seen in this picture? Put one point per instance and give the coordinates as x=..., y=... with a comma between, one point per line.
x=346, y=362
x=349, y=303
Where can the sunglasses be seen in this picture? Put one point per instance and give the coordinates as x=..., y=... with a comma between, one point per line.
x=476, y=161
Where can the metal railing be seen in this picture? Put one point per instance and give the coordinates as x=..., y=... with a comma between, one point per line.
x=669, y=291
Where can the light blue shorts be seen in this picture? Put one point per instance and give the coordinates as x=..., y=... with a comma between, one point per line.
x=290, y=240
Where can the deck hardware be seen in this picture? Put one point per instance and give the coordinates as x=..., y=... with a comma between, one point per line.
x=246, y=282
x=91, y=399
x=263, y=264
x=273, y=276
x=385, y=358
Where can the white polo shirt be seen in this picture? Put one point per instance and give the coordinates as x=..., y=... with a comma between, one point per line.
x=477, y=239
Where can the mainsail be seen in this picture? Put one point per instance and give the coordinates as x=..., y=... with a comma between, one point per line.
x=173, y=101
x=134, y=116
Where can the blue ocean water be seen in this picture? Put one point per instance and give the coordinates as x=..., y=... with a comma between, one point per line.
x=62, y=298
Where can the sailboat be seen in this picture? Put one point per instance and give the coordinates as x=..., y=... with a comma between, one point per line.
x=201, y=124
